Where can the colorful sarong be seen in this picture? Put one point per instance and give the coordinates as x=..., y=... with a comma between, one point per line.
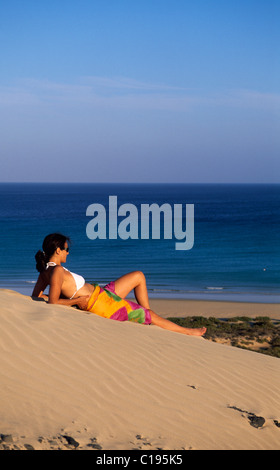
x=106, y=303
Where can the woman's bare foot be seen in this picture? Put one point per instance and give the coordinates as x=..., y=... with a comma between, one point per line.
x=195, y=331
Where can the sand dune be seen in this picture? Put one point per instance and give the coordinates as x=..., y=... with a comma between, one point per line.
x=115, y=385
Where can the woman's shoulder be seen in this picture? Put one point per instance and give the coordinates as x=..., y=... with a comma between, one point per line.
x=58, y=270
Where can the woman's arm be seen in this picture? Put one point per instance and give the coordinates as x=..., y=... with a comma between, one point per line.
x=40, y=286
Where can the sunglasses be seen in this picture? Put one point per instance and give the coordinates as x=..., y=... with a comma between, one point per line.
x=66, y=249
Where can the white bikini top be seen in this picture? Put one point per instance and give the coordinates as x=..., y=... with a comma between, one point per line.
x=79, y=280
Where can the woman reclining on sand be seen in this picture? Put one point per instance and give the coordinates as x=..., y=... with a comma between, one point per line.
x=68, y=288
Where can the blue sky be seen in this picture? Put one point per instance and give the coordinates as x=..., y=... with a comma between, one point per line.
x=150, y=91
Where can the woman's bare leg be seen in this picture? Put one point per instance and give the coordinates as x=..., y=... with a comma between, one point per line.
x=137, y=281
x=134, y=280
x=169, y=325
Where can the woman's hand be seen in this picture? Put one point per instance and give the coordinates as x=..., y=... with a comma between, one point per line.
x=45, y=297
x=82, y=301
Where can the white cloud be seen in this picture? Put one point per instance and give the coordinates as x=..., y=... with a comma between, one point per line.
x=127, y=93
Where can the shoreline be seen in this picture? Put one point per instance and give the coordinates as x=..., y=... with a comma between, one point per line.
x=214, y=308
x=182, y=307
x=199, y=294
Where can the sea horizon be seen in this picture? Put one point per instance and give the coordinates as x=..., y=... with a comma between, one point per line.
x=235, y=256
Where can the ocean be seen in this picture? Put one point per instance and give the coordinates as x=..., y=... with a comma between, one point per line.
x=235, y=254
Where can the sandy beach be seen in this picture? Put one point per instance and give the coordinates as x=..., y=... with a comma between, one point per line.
x=71, y=380
x=219, y=309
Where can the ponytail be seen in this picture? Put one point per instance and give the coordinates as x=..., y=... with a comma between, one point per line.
x=41, y=262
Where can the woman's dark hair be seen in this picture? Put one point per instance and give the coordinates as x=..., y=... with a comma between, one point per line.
x=50, y=244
